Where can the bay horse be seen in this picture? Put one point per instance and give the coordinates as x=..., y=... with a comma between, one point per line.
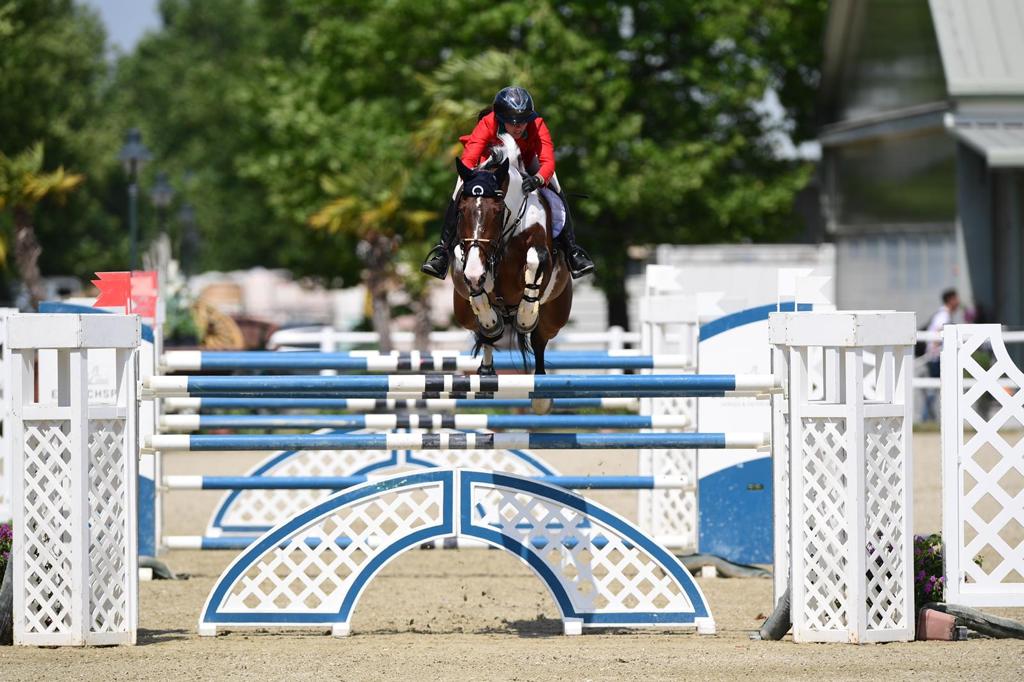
x=505, y=269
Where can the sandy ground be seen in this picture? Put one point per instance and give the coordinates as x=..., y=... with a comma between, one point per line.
x=476, y=614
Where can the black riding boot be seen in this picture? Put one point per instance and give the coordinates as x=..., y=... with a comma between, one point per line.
x=579, y=262
x=436, y=263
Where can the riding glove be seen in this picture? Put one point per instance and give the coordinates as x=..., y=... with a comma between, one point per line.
x=531, y=183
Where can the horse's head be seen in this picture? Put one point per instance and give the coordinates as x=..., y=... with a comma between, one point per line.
x=481, y=208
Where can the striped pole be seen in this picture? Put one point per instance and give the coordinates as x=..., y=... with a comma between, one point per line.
x=471, y=396
x=516, y=385
x=238, y=542
x=372, y=405
x=456, y=441
x=415, y=361
x=188, y=422
x=339, y=482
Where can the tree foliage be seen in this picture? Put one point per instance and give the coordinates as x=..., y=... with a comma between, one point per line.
x=307, y=125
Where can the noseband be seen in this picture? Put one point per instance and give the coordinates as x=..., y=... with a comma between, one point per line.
x=486, y=187
x=483, y=243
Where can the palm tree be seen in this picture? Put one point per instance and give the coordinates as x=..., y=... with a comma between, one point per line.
x=378, y=220
x=23, y=185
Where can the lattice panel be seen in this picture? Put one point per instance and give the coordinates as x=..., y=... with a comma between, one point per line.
x=108, y=543
x=47, y=528
x=823, y=539
x=598, y=568
x=671, y=514
x=254, y=511
x=887, y=574
x=310, y=567
x=987, y=496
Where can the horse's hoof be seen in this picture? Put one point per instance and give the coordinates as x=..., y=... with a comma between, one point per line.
x=486, y=371
x=493, y=334
x=542, y=405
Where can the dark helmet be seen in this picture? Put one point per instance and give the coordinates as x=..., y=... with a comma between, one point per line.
x=514, y=105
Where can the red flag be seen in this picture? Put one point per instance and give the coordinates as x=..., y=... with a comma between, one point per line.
x=114, y=289
x=144, y=293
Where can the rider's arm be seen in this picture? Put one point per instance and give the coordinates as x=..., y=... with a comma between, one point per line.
x=547, y=151
x=476, y=145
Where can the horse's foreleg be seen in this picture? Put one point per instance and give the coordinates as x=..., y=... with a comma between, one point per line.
x=528, y=313
x=487, y=365
x=539, y=343
x=490, y=323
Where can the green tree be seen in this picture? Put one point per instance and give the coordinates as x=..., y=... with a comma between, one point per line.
x=23, y=185
x=199, y=89
x=52, y=76
x=656, y=109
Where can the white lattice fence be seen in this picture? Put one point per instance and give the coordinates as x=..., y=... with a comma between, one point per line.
x=75, y=556
x=983, y=468
x=845, y=550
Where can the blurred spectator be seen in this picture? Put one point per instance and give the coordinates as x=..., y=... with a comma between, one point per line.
x=947, y=314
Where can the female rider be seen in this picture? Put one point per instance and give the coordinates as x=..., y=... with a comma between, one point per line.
x=512, y=113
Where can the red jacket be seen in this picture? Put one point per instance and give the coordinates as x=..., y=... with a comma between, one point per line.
x=535, y=144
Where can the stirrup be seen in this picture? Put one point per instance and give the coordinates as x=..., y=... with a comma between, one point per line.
x=436, y=262
x=576, y=270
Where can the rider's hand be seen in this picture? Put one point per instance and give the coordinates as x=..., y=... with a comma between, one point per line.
x=531, y=183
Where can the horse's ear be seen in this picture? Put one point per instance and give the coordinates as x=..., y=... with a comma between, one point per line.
x=464, y=172
x=503, y=172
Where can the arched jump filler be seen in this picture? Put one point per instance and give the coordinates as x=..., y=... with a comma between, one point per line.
x=310, y=570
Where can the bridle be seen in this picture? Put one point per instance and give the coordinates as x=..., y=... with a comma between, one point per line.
x=491, y=255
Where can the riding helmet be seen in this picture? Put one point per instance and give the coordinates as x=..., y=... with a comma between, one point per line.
x=514, y=105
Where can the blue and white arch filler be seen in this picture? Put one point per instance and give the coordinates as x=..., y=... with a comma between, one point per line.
x=254, y=511
x=625, y=580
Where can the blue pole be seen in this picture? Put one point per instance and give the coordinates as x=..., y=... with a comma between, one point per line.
x=445, y=441
x=340, y=482
x=264, y=360
x=540, y=384
x=425, y=420
x=281, y=403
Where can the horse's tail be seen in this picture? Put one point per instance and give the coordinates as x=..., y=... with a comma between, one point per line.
x=525, y=347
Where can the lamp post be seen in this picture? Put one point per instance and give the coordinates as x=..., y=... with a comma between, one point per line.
x=161, y=194
x=133, y=155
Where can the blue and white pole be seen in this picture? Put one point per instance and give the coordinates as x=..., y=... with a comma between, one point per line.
x=514, y=385
x=413, y=361
x=375, y=405
x=456, y=441
x=179, y=423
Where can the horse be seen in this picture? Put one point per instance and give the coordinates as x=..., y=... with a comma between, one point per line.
x=505, y=268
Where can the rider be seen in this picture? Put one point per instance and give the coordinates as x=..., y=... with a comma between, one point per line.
x=512, y=113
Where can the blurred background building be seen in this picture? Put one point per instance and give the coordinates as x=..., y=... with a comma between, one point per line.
x=922, y=148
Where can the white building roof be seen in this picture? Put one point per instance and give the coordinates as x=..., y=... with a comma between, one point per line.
x=1000, y=142
x=982, y=45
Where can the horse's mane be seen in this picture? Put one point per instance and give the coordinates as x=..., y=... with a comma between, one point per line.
x=507, y=150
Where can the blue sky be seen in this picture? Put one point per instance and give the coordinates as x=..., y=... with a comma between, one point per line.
x=126, y=20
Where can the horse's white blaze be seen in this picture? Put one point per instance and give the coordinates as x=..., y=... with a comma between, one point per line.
x=475, y=267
